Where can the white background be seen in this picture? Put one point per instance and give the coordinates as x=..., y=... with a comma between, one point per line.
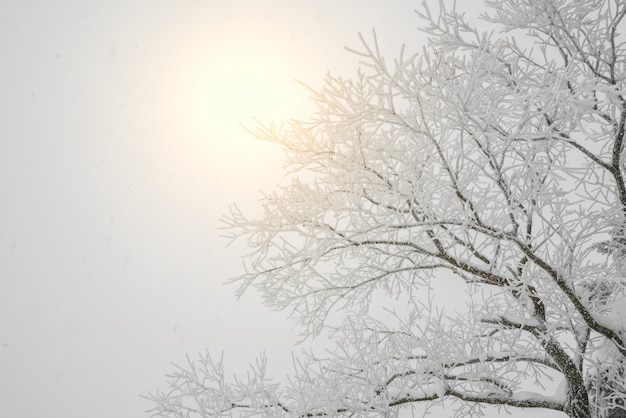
x=120, y=147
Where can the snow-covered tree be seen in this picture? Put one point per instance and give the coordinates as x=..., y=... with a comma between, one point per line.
x=491, y=160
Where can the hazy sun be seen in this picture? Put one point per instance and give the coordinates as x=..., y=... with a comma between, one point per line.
x=236, y=83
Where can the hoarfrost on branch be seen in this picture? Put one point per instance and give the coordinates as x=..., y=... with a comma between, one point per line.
x=493, y=159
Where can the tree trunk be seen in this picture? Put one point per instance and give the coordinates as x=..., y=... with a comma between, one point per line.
x=577, y=401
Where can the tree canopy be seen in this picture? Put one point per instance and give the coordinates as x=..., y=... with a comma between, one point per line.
x=493, y=159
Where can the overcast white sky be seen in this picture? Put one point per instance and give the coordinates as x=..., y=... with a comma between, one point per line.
x=120, y=148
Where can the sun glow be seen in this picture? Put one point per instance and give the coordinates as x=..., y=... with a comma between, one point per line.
x=237, y=83
x=222, y=78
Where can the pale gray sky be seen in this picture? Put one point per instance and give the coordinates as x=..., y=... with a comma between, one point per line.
x=119, y=150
